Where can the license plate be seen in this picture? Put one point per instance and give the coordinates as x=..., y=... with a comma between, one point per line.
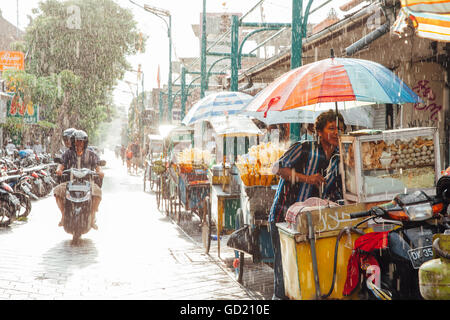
x=420, y=255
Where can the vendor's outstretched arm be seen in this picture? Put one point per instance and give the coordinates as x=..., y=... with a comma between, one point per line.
x=291, y=175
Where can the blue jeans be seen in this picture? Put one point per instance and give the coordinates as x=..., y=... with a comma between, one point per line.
x=278, y=281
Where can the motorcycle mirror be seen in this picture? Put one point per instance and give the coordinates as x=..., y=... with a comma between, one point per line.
x=102, y=163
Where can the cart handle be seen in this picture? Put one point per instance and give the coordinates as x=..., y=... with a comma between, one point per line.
x=355, y=215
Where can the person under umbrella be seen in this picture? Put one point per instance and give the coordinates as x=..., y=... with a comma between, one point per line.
x=307, y=169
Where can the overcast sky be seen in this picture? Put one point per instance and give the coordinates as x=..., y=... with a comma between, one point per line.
x=184, y=14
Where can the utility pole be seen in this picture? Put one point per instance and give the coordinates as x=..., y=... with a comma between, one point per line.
x=17, y=12
x=296, y=54
x=203, y=53
x=161, y=13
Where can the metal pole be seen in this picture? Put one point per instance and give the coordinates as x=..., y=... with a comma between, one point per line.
x=211, y=67
x=17, y=11
x=296, y=54
x=169, y=98
x=203, y=53
x=234, y=53
x=183, y=92
x=247, y=37
x=160, y=107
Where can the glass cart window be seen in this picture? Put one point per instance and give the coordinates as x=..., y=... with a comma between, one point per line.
x=395, y=166
x=349, y=167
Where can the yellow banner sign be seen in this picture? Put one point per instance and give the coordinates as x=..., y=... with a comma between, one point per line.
x=11, y=60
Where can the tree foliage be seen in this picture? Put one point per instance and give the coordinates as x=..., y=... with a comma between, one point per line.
x=82, y=45
x=47, y=91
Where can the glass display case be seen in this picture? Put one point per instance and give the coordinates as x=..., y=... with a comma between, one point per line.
x=376, y=166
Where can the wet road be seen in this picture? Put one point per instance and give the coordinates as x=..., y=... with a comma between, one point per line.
x=137, y=253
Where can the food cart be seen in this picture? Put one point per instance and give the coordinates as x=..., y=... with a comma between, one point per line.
x=258, y=188
x=190, y=172
x=179, y=139
x=224, y=180
x=375, y=166
x=153, y=161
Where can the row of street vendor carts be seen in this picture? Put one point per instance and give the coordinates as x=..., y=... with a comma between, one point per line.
x=227, y=181
x=234, y=197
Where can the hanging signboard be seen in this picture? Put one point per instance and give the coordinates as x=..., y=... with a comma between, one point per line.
x=11, y=60
x=21, y=106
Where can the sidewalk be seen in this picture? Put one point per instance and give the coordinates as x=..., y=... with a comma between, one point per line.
x=137, y=253
x=257, y=279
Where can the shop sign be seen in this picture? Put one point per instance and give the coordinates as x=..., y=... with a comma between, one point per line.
x=11, y=60
x=21, y=106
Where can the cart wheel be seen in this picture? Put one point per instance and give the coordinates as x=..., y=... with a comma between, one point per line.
x=152, y=182
x=158, y=195
x=171, y=209
x=238, y=265
x=145, y=176
x=166, y=201
x=177, y=204
x=206, y=226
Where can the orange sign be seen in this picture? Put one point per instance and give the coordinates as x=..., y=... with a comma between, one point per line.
x=11, y=60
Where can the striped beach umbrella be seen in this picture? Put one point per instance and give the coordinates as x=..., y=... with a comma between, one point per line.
x=217, y=105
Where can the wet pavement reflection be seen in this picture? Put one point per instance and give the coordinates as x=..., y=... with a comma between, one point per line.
x=137, y=253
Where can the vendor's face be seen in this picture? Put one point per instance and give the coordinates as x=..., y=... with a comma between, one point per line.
x=330, y=134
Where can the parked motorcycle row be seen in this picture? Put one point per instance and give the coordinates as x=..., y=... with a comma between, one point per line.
x=23, y=179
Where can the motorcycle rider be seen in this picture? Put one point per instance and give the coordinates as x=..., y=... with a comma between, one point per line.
x=79, y=156
x=67, y=135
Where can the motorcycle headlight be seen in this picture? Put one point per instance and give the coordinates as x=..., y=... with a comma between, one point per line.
x=419, y=212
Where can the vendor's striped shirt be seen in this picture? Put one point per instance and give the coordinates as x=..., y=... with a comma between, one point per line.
x=307, y=158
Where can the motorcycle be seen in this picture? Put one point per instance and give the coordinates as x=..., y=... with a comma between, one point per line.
x=13, y=205
x=20, y=204
x=7, y=210
x=47, y=180
x=390, y=260
x=37, y=184
x=78, y=204
x=20, y=183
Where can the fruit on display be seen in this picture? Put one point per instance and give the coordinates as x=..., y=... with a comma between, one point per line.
x=158, y=166
x=255, y=168
x=193, y=158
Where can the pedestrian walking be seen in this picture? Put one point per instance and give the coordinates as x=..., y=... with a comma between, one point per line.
x=129, y=156
x=307, y=169
x=136, y=156
x=123, y=152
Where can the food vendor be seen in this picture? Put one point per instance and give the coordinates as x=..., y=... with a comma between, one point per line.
x=307, y=169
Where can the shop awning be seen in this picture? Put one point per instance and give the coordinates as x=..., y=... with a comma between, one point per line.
x=430, y=18
x=235, y=126
x=155, y=137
